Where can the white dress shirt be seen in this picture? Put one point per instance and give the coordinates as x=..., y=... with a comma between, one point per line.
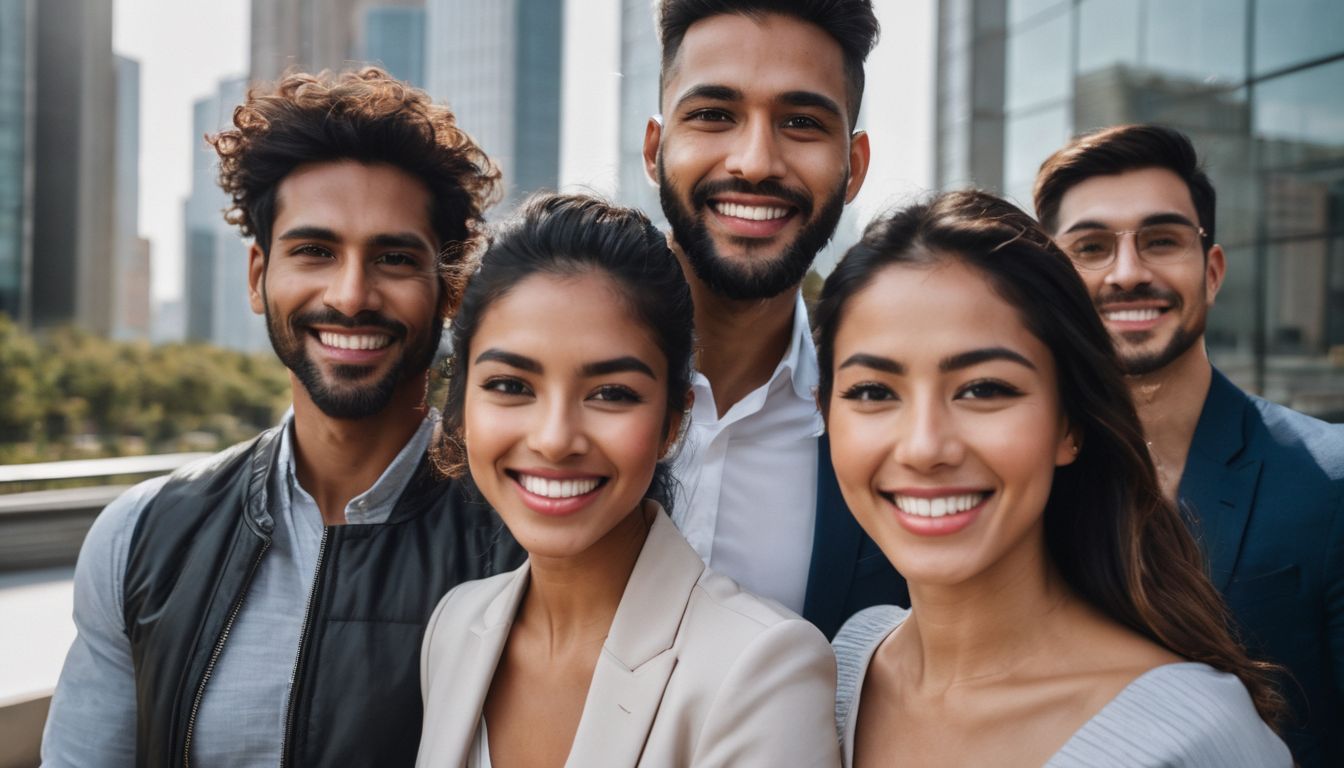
x=747, y=482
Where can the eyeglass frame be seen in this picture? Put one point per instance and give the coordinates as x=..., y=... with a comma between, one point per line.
x=1200, y=233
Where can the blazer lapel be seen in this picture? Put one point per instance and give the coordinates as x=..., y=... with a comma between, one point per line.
x=835, y=549
x=1218, y=483
x=639, y=655
x=475, y=668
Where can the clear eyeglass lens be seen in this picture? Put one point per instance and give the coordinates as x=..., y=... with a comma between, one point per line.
x=1157, y=244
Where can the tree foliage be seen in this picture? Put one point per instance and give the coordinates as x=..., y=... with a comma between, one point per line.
x=70, y=394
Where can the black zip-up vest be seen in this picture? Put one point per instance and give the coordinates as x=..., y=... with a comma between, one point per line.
x=356, y=693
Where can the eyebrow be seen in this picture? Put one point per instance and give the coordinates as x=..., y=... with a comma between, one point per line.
x=810, y=99
x=626, y=364
x=511, y=359
x=952, y=363
x=977, y=356
x=408, y=240
x=792, y=98
x=1155, y=218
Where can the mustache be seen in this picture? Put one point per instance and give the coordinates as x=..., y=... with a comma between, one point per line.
x=365, y=319
x=701, y=194
x=1139, y=293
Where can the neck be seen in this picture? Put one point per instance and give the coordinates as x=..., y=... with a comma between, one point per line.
x=1169, y=402
x=988, y=626
x=573, y=600
x=335, y=460
x=740, y=343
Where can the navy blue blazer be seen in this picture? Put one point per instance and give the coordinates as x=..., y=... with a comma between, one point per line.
x=1263, y=492
x=848, y=572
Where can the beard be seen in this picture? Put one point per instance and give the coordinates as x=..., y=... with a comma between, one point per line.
x=347, y=394
x=1139, y=362
x=766, y=276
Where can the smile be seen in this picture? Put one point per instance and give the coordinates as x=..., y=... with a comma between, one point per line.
x=750, y=212
x=558, y=489
x=359, y=341
x=938, y=506
x=1133, y=315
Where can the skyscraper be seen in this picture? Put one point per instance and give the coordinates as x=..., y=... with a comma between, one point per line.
x=498, y=66
x=217, y=308
x=131, y=270
x=17, y=81
x=311, y=35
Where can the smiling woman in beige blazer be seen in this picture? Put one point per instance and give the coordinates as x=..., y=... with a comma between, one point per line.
x=613, y=645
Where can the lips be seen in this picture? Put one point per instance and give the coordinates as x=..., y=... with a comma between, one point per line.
x=359, y=341
x=750, y=212
x=555, y=494
x=936, y=512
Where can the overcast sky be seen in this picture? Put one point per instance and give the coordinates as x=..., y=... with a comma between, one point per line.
x=185, y=48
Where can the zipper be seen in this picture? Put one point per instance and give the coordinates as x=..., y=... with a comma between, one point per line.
x=218, y=649
x=303, y=637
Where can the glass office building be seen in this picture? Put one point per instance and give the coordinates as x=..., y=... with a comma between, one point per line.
x=1257, y=84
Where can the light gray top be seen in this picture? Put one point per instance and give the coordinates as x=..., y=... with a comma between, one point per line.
x=1185, y=714
x=241, y=720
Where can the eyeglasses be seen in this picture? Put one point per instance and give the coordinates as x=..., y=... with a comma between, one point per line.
x=1157, y=244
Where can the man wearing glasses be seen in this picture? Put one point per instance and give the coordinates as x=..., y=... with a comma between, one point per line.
x=1261, y=486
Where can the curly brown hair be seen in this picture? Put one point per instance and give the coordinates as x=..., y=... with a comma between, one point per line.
x=367, y=116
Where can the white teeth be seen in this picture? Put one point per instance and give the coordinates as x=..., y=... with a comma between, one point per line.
x=1133, y=315
x=752, y=212
x=557, y=489
x=354, y=341
x=939, y=506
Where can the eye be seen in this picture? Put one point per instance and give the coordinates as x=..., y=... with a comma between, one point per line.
x=709, y=116
x=986, y=389
x=868, y=391
x=313, y=250
x=805, y=122
x=398, y=259
x=507, y=386
x=615, y=393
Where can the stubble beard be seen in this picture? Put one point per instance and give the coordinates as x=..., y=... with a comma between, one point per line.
x=1137, y=362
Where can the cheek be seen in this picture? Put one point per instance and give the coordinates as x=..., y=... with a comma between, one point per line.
x=860, y=444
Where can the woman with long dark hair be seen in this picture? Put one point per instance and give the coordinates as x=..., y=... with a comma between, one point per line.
x=613, y=645
x=983, y=436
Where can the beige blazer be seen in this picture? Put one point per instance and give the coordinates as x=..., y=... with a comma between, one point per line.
x=695, y=672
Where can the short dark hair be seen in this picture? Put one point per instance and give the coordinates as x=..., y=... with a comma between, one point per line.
x=851, y=23
x=570, y=235
x=1114, y=537
x=1118, y=149
x=366, y=116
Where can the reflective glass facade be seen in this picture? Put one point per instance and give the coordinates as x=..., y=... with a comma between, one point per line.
x=15, y=202
x=1259, y=87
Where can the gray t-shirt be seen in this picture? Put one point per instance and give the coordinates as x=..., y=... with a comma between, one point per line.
x=1186, y=715
x=241, y=719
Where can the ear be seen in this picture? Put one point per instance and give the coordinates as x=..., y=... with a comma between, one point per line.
x=859, y=157
x=256, y=274
x=653, y=139
x=1070, y=444
x=1215, y=269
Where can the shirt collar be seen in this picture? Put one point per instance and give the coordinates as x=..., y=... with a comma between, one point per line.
x=800, y=362
x=374, y=505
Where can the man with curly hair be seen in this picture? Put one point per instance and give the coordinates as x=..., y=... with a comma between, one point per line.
x=266, y=605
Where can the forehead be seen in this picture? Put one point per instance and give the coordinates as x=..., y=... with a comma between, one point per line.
x=921, y=314
x=764, y=56
x=353, y=198
x=1125, y=199
x=570, y=317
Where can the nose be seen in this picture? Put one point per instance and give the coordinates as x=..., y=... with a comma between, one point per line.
x=928, y=439
x=350, y=288
x=756, y=154
x=1128, y=270
x=558, y=432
